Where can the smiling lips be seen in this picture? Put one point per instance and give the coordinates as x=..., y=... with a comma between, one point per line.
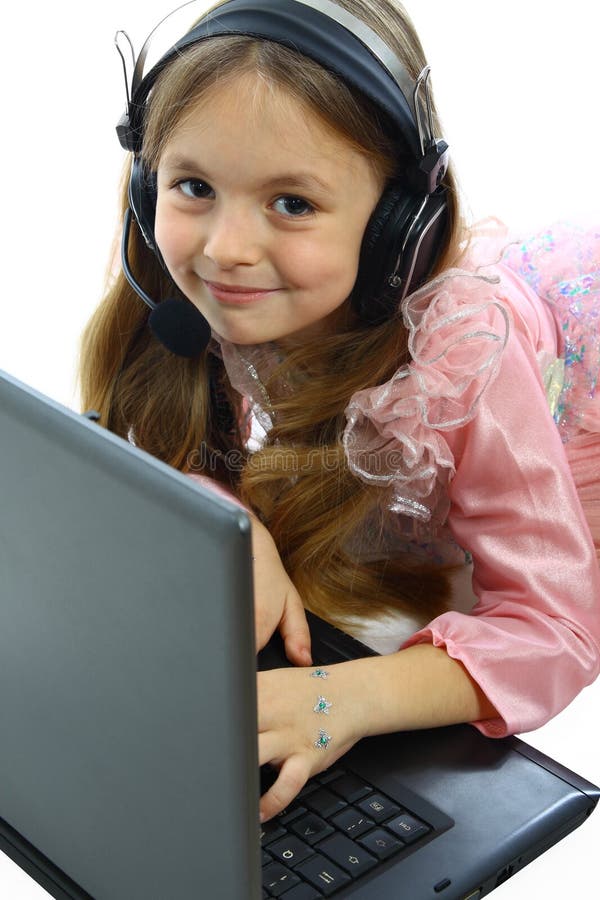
x=235, y=294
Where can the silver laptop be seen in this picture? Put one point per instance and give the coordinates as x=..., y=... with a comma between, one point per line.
x=128, y=755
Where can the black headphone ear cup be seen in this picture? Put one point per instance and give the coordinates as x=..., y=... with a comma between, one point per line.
x=379, y=220
x=372, y=298
x=142, y=200
x=400, y=247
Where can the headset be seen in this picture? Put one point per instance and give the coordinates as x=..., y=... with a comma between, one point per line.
x=405, y=232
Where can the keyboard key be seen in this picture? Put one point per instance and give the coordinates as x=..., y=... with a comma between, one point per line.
x=311, y=828
x=323, y=874
x=408, y=828
x=330, y=775
x=352, y=821
x=303, y=891
x=290, y=850
x=349, y=855
x=277, y=879
x=378, y=807
x=324, y=802
x=350, y=787
x=308, y=788
x=270, y=831
x=381, y=843
x=290, y=813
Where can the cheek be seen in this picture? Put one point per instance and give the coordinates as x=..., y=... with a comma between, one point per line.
x=332, y=265
x=170, y=234
x=332, y=256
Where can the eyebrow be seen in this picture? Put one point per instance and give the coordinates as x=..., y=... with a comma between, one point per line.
x=304, y=181
x=299, y=180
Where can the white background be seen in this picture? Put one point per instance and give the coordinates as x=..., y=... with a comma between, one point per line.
x=517, y=86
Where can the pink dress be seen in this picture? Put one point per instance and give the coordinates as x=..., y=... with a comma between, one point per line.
x=489, y=441
x=486, y=448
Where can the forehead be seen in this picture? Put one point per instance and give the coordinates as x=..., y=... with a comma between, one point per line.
x=249, y=113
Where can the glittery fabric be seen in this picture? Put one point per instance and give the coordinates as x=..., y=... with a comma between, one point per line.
x=248, y=368
x=562, y=266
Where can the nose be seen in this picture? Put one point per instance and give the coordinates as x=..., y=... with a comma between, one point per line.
x=232, y=237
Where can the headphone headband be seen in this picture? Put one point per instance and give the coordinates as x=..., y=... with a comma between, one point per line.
x=319, y=29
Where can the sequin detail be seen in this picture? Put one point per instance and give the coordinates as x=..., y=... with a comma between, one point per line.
x=562, y=265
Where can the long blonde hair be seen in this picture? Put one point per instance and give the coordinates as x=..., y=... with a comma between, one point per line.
x=174, y=406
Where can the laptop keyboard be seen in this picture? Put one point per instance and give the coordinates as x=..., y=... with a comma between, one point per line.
x=337, y=829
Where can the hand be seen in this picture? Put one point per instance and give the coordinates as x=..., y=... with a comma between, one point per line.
x=288, y=726
x=277, y=603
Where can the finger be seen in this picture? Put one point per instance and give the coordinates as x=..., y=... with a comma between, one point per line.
x=295, y=631
x=272, y=746
x=263, y=628
x=292, y=777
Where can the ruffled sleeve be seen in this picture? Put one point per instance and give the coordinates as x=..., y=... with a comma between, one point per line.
x=486, y=440
x=396, y=434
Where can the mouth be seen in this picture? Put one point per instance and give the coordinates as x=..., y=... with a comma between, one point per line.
x=237, y=294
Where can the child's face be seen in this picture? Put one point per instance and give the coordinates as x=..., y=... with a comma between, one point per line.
x=261, y=212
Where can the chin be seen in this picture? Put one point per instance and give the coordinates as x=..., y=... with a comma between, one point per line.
x=245, y=337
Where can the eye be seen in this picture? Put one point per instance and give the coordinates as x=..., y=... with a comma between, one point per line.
x=194, y=189
x=293, y=207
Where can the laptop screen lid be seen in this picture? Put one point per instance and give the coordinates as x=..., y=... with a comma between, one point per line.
x=116, y=676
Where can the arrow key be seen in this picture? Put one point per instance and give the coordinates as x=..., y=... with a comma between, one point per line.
x=277, y=879
x=350, y=856
x=311, y=828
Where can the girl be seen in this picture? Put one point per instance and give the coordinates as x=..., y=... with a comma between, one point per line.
x=405, y=407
